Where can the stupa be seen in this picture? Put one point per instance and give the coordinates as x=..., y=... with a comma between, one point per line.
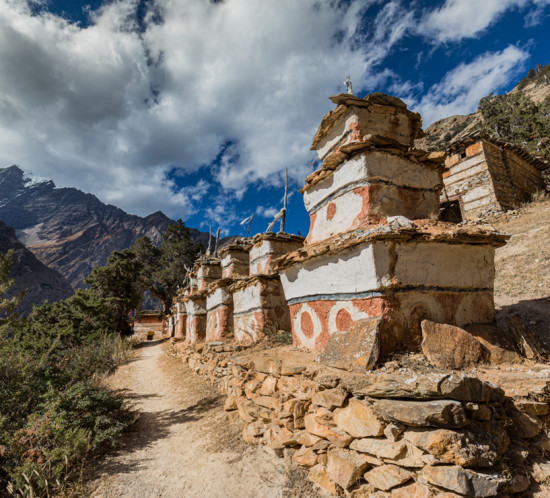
x=374, y=248
x=258, y=300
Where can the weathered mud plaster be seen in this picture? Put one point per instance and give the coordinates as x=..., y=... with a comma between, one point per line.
x=368, y=188
x=267, y=247
x=219, y=306
x=376, y=114
x=235, y=260
x=195, y=306
x=258, y=305
x=209, y=270
x=193, y=285
x=181, y=319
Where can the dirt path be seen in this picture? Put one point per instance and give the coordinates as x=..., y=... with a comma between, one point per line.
x=183, y=444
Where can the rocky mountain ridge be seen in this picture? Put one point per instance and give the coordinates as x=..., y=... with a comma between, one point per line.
x=69, y=230
x=443, y=132
x=39, y=282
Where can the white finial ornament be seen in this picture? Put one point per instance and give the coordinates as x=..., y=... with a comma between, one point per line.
x=349, y=88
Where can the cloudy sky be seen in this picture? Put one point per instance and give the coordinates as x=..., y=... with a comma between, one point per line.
x=195, y=107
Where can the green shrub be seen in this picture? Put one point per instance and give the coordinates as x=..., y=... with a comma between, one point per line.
x=54, y=413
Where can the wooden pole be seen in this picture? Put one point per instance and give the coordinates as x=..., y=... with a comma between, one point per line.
x=217, y=240
x=283, y=218
x=249, y=223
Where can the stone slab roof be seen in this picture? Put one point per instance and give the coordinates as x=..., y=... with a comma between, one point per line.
x=378, y=101
x=373, y=143
x=421, y=230
x=478, y=135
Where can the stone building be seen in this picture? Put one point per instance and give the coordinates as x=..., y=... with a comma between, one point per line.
x=484, y=175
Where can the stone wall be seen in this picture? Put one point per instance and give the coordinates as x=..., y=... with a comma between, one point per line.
x=389, y=433
x=514, y=179
x=486, y=177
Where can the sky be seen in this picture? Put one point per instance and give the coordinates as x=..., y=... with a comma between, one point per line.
x=196, y=107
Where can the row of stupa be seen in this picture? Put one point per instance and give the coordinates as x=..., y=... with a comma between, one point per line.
x=374, y=248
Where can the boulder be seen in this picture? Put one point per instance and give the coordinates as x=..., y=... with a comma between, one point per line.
x=380, y=448
x=438, y=413
x=230, y=403
x=463, y=481
x=422, y=386
x=268, y=402
x=412, y=457
x=305, y=457
x=269, y=386
x=357, y=349
x=499, y=349
x=358, y=419
x=345, y=467
x=524, y=425
x=414, y=490
x=387, y=477
x=462, y=448
x=318, y=475
x=335, y=436
x=330, y=398
x=304, y=438
x=271, y=366
x=448, y=346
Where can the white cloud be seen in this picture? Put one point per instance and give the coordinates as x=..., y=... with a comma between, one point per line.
x=110, y=108
x=461, y=89
x=458, y=19
x=267, y=211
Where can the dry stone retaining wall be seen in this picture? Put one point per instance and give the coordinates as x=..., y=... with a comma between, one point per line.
x=388, y=433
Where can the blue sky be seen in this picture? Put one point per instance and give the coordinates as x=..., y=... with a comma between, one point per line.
x=195, y=108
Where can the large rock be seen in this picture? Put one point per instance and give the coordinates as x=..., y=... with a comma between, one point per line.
x=345, y=467
x=330, y=398
x=462, y=448
x=448, y=346
x=380, y=448
x=463, y=481
x=524, y=425
x=499, y=349
x=319, y=476
x=358, y=419
x=414, y=490
x=357, y=349
x=387, y=477
x=336, y=436
x=438, y=413
x=422, y=386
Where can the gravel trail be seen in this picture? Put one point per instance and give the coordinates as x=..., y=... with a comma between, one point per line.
x=183, y=444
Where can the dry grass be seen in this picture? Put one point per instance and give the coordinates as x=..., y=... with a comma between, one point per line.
x=522, y=283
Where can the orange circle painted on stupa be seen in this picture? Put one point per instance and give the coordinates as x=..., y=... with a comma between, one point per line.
x=343, y=320
x=331, y=211
x=306, y=324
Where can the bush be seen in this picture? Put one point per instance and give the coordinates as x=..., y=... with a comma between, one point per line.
x=54, y=413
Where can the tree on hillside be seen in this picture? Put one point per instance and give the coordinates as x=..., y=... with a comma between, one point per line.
x=517, y=119
x=118, y=284
x=7, y=305
x=164, y=267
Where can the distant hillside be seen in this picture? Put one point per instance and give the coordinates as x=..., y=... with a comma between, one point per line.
x=522, y=117
x=69, y=230
x=39, y=282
